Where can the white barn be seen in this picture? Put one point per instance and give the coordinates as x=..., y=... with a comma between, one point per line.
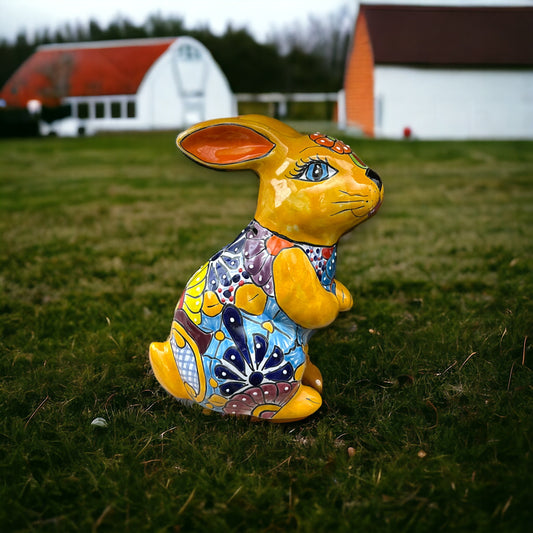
x=441, y=72
x=139, y=84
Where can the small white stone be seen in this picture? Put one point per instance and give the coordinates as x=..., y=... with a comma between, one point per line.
x=99, y=422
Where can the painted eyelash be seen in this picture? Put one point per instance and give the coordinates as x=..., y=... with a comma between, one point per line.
x=302, y=165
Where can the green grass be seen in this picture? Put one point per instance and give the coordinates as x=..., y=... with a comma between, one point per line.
x=427, y=422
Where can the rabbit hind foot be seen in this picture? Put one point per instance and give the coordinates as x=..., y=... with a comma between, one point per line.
x=312, y=376
x=304, y=403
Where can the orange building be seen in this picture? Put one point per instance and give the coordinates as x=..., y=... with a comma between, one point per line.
x=441, y=72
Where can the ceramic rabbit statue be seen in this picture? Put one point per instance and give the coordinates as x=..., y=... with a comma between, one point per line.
x=239, y=338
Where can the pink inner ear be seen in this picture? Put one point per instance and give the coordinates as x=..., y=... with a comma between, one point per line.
x=225, y=144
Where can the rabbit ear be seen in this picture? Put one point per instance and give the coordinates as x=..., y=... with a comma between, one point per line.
x=224, y=145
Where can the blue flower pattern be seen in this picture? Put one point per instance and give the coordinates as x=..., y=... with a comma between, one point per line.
x=240, y=368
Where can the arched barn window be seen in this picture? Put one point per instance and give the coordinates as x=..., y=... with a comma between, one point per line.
x=187, y=52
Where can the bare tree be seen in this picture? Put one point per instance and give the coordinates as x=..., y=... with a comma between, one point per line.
x=326, y=39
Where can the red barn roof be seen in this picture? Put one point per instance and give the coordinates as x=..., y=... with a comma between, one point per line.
x=439, y=35
x=54, y=72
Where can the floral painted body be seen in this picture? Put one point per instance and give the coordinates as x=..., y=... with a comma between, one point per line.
x=256, y=352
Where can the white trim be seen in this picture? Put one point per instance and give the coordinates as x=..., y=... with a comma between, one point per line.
x=118, y=43
x=287, y=97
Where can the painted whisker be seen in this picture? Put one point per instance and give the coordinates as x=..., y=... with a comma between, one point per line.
x=353, y=194
x=348, y=209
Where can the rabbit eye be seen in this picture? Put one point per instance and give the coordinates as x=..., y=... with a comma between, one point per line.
x=314, y=170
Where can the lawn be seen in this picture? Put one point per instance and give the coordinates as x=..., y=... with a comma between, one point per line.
x=427, y=423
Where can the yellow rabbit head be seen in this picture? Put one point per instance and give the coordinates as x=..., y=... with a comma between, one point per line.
x=313, y=188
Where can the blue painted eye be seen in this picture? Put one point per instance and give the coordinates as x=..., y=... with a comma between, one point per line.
x=314, y=170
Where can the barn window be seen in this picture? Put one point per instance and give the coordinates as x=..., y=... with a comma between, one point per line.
x=131, y=109
x=187, y=52
x=83, y=110
x=116, y=109
x=99, y=110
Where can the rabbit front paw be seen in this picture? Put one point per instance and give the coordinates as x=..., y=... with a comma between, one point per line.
x=343, y=296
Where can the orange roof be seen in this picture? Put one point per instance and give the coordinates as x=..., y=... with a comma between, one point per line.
x=54, y=72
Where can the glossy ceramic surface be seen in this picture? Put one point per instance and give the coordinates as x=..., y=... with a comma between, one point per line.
x=239, y=338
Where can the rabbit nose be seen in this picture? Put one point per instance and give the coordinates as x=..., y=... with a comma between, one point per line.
x=374, y=176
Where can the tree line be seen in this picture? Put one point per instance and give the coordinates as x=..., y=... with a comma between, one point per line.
x=297, y=58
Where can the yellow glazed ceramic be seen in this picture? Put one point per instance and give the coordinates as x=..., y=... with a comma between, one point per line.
x=239, y=339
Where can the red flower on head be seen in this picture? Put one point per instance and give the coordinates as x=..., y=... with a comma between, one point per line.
x=337, y=146
x=341, y=148
x=330, y=142
x=325, y=141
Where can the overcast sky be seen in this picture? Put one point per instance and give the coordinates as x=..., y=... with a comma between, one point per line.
x=259, y=16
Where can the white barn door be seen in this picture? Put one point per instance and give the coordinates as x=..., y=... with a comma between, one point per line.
x=191, y=73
